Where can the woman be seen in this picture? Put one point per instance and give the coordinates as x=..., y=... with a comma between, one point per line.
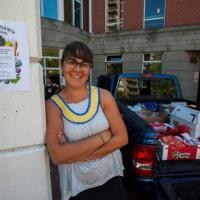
x=88, y=157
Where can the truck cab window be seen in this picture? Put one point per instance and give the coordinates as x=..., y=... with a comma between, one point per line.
x=130, y=88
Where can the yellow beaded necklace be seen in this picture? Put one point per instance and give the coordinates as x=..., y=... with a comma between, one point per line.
x=72, y=116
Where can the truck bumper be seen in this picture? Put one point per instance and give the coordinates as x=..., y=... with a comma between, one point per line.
x=147, y=188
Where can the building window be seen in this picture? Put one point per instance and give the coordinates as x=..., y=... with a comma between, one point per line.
x=78, y=13
x=52, y=71
x=194, y=57
x=114, y=64
x=154, y=14
x=49, y=9
x=114, y=15
x=51, y=65
x=152, y=62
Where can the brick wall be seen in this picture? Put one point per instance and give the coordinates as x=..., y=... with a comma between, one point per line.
x=98, y=15
x=178, y=12
x=133, y=14
x=182, y=12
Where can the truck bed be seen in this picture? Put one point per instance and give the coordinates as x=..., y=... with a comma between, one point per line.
x=173, y=178
x=155, y=178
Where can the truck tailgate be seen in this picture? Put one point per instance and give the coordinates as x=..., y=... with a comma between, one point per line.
x=184, y=188
x=179, y=179
x=167, y=168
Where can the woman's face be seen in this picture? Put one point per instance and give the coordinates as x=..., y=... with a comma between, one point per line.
x=76, y=72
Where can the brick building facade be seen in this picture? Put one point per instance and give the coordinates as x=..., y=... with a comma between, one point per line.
x=184, y=12
x=177, y=13
x=136, y=35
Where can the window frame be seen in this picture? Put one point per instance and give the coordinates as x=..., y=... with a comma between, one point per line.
x=151, y=61
x=106, y=61
x=81, y=13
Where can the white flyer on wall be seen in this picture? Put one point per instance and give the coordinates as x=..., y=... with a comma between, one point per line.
x=14, y=57
x=7, y=63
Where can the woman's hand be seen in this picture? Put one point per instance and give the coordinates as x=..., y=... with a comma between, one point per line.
x=105, y=135
x=61, y=137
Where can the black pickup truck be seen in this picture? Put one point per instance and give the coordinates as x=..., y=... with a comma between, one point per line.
x=145, y=172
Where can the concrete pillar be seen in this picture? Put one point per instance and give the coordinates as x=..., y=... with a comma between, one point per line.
x=24, y=165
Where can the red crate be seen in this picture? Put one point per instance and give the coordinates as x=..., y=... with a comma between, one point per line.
x=168, y=152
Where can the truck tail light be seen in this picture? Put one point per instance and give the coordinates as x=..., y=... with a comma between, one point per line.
x=144, y=157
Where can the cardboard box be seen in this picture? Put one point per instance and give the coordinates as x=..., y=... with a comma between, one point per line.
x=187, y=116
x=168, y=152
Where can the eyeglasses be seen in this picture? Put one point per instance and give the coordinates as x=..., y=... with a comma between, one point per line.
x=72, y=63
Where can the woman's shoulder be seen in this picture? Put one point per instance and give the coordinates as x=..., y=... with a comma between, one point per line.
x=104, y=92
x=105, y=96
x=53, y=103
